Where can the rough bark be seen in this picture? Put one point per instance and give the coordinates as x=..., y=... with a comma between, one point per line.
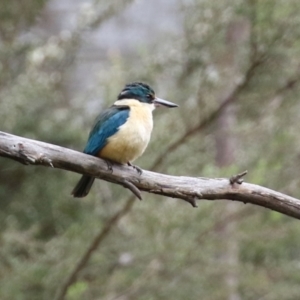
x=190, y=189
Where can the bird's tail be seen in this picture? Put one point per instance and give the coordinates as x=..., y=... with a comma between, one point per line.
x=83, y=186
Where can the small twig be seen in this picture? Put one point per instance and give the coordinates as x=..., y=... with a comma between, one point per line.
x=131, y=187
x=237, y=178
x=192, y=201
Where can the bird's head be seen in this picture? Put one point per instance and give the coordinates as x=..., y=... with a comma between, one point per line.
x=143, y=93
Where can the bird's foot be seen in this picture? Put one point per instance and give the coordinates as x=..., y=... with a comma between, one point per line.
x=109, y=165
x=139, y=170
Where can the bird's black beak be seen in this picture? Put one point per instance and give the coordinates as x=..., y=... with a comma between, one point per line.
x=162, y=102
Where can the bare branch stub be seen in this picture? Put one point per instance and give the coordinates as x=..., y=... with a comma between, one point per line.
x=237, y=178
x=192, y=201
x=131, y=187
x=24, y=155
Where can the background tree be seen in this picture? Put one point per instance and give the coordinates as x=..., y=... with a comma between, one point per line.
x=61, y=64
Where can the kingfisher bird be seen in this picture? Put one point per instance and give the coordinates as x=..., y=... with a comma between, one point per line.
x=122, y=132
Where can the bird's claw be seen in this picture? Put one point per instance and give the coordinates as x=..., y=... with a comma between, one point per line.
x=139, y=170
x=109, y=165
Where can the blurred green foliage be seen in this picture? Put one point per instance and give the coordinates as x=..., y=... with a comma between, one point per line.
x=163, y=249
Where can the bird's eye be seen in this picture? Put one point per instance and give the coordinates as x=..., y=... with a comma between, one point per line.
x=150, y=97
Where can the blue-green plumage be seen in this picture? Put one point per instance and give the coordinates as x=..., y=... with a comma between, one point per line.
x=106, y=125
x=121, y=133
x=139, y=91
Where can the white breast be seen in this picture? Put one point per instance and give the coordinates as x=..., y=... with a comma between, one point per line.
x=133, y=137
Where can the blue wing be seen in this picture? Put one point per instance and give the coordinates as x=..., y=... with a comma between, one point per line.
x=106, y=125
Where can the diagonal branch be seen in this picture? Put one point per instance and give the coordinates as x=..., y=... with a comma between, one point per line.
x=92, y=247
x=228, y=99
x=186, y=188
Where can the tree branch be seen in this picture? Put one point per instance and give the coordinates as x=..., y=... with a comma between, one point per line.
x=186, y=188
x=92, y=247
